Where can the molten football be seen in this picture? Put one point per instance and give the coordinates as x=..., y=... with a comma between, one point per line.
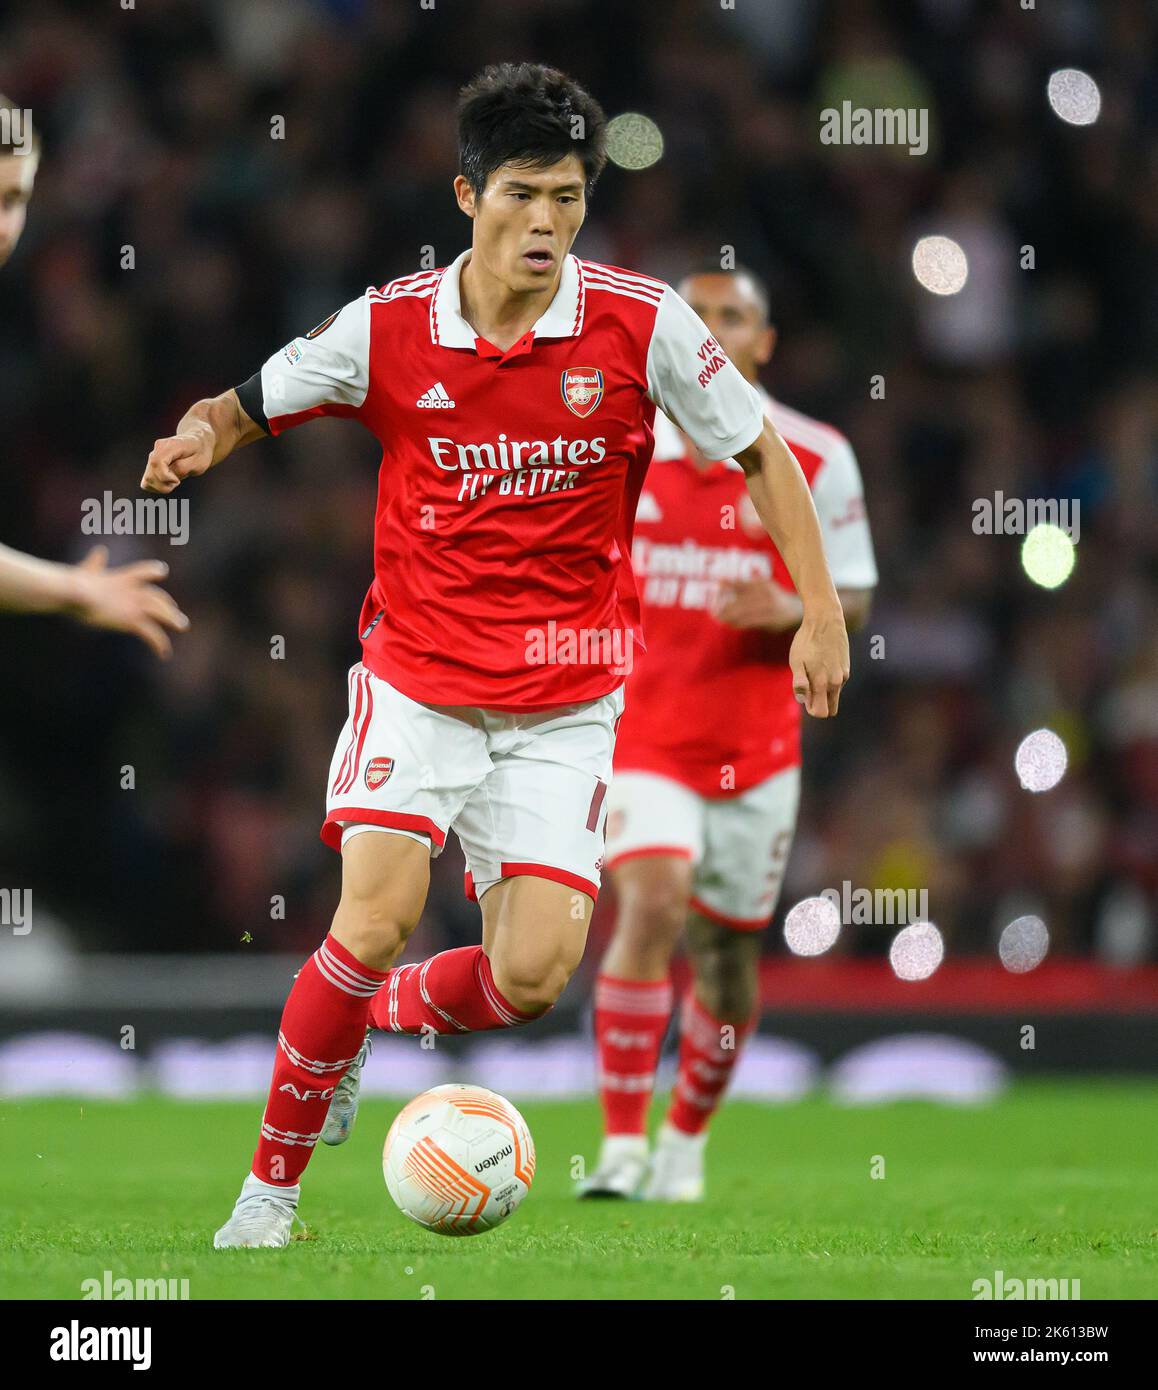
x=458, y=1160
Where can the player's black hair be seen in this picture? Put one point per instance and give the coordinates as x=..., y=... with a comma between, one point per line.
x=710, y=267
x=526, y=113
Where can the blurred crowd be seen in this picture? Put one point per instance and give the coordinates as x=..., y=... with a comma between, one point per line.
x=174, y=243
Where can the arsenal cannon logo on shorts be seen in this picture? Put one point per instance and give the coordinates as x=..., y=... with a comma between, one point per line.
x=378, y=770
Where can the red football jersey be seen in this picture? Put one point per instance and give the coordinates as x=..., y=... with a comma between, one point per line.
x=509, y=480
x=708, y=705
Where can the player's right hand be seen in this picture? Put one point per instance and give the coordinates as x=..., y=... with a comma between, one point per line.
x=174, y=459
x=819, y=661
x=126, y=599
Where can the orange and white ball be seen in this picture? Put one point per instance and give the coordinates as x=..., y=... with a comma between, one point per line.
x=458, y=1160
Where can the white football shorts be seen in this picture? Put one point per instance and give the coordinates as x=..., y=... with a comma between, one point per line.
x=524, y=792
x=738, y=845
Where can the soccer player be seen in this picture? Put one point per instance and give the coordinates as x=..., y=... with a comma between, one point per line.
x=513, y=393
x=125, y=599
x=702, y=807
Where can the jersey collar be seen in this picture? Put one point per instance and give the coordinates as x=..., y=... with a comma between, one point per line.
x=563, y=317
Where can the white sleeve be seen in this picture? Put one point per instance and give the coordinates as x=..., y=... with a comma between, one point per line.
x=325, y=372
x=838, y=493
x=690, y=378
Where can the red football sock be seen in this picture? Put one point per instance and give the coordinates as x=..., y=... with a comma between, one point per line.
x=453, y=992
x=631, y=1017
x=709, y=1048
x=322, y=1027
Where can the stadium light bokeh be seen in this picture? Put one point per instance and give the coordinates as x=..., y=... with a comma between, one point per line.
x=634, y=141
x=812, y=926
x=1040, y=761
x=940, y=265
x=1074, y=96
x=916, y=951
x=1023, y=945
x=1048, y=555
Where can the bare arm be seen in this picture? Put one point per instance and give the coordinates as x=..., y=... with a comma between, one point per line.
x=780, y=494
x=209, y=431
x=29, y=585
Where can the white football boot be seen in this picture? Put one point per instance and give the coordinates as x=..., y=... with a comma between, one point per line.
x=621, y=1169
x=677, y=1167
x=263, y=1216
x=343, y=1109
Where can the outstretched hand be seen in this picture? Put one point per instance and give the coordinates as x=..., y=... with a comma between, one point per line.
x=127, y=599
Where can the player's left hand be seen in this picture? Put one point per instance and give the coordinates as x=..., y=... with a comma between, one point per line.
x=758, y=603
x=819, y=661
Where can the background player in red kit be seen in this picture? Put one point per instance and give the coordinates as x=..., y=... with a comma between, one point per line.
x=702, y=807
x=513, y=393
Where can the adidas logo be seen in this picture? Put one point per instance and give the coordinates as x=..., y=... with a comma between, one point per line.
x=435, y=399
x=647, y=509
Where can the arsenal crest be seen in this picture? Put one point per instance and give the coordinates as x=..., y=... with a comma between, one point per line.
x=582, y=390
x=378, y=770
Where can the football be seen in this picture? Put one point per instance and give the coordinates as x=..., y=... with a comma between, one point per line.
x=458, y=1160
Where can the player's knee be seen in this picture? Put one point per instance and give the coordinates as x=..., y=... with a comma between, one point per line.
x=533, y=986
x=384, y=883
x=372, y=930
x=532, y=993
x=652, y=909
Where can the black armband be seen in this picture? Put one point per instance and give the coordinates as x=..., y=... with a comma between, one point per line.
x=251, y=396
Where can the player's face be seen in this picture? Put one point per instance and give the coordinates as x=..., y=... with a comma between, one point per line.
x=526, y=221
x=17, y=173
x=730, y=307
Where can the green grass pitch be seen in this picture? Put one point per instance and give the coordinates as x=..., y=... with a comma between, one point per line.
x=1056, y=1180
